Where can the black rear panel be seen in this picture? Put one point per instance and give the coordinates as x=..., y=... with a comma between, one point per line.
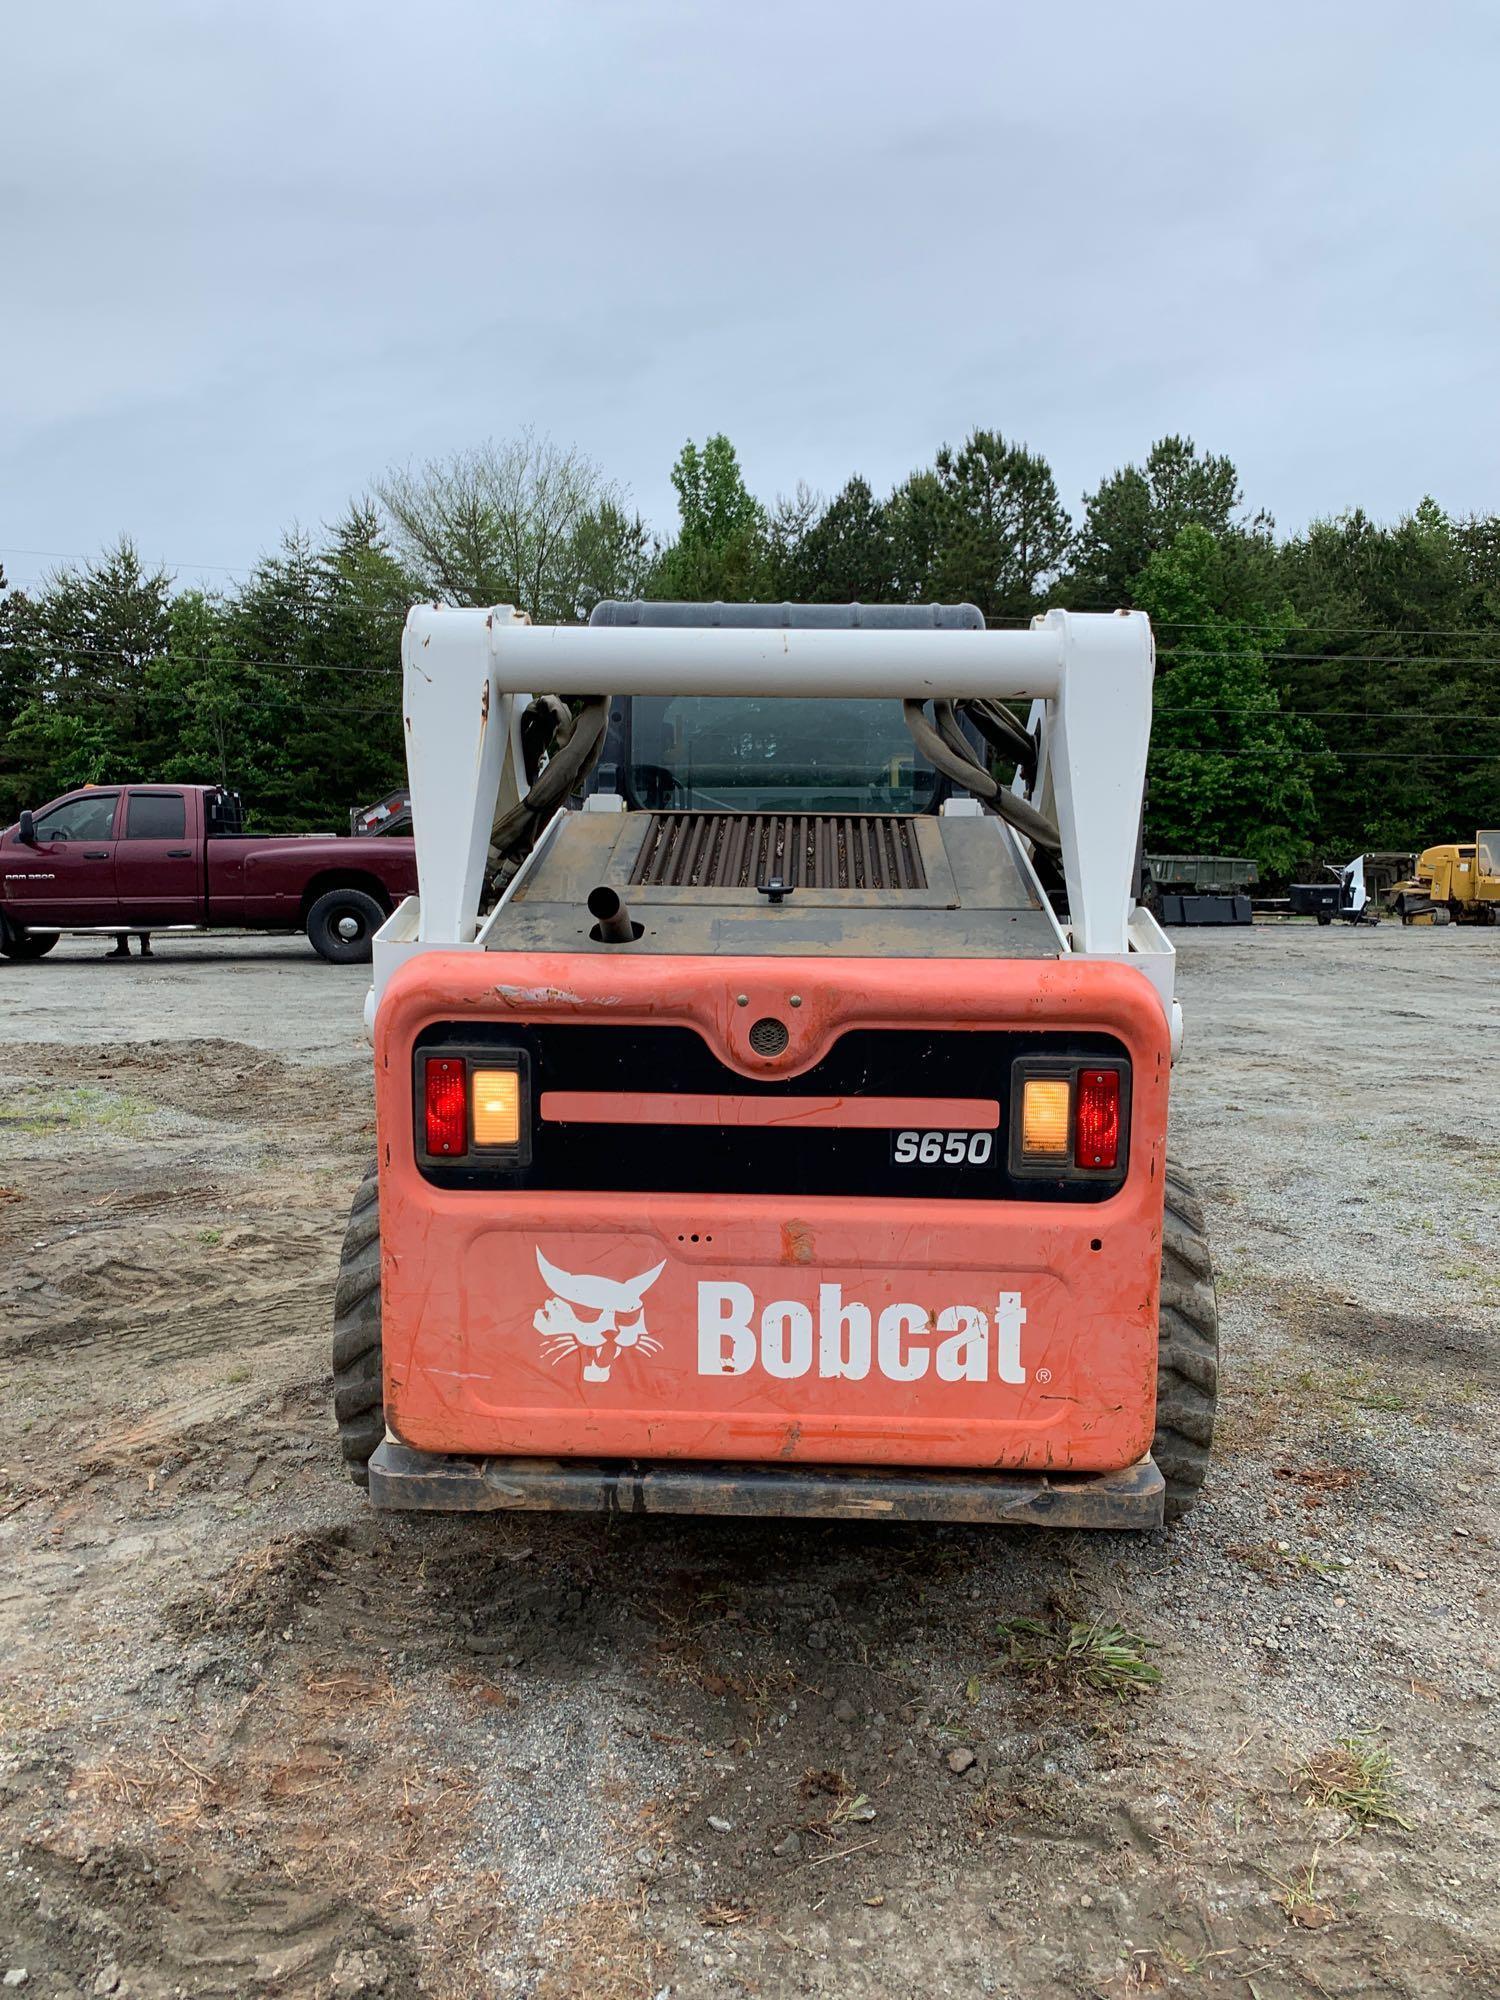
x=795, y=1161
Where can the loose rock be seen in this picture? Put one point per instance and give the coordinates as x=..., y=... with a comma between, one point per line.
x=359, y=1975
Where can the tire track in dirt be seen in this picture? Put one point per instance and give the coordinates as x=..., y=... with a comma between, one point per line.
x=159, y=1931
x=215, y=1323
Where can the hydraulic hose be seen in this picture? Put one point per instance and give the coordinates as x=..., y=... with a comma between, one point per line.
x=940, y=749
x=576, y=743
x=546, y=722
x=1003, y=733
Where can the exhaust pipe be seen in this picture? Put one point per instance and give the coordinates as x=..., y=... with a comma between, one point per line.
x=612, y=921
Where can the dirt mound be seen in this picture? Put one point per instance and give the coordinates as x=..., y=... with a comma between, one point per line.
x=263, y=1590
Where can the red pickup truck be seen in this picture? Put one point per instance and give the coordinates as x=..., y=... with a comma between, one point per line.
x=151, y=857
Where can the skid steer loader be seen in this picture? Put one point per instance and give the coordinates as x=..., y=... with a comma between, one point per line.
x=784, y=1131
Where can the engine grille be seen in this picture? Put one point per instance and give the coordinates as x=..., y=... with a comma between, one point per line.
x=723, y=850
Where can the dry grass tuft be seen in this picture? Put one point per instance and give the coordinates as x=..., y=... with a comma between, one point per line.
x=1355, y=1775
x=987, y=1811
x=1299, y=1899
x=1074, y=1654
x=846, y=1804
x=724, y=1916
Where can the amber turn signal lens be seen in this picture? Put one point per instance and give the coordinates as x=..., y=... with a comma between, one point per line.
x=1045, y=1125
x=497, y=1107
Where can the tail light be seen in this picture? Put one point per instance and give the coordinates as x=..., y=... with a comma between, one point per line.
x=446, y=1107
x=1096, y=1122
x=1044, y=1117
x=1070, y=1118
x=497, y=1107
x=473, y=1107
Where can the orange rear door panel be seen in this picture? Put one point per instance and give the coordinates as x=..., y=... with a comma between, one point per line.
x=825, y=1328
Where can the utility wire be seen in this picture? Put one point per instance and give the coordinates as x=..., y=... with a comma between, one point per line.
x=83, y=650
x=1376, y=629
x=166, y=562
x=995, y=621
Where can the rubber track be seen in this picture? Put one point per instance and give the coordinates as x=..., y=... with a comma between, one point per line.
x=358, y=1387
x=1187, y=1378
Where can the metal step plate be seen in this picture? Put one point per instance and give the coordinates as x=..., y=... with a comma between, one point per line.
x=401, y=1478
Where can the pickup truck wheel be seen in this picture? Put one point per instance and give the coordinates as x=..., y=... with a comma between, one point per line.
x=18, y=944
x=341, y=925
x=358, y=1380
x=1187, y=1369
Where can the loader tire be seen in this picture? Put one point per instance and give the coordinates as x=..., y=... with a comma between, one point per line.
x=1187, y=1369
x=358, y=1381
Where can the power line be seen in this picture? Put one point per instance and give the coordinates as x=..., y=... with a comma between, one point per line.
x=167, y=562
x=1330, y=714
x=996, y=621
x=1302, y=625
x=1364, y=756
x=1291, y=659
x=84, y=650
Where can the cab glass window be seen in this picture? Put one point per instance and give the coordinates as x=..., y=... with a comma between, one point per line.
x=155, y=816
x=749, y=755
x=92, y=818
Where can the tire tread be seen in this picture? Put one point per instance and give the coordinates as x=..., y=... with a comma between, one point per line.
x=1187, y=1374
x=358, y=1366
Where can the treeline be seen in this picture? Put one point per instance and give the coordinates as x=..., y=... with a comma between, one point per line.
x=1318, y=694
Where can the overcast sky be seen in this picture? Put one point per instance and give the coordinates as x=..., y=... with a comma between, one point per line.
x=254, y=253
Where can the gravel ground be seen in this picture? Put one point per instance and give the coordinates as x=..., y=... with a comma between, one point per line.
x=255, y=1741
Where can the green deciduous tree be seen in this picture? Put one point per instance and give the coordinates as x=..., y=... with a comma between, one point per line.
x=1386, y=636
x=1229, y=772
x=526, y=522
x=722, y=548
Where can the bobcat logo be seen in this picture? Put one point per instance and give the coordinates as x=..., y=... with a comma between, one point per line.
x=612, y=1320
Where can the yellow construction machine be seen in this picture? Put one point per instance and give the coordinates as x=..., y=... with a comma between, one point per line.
x=1454, y=884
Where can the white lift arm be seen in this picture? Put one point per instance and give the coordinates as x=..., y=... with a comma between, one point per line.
x=468, y=675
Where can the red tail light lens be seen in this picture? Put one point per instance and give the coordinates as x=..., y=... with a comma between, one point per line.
x=1096, y=1121
x=446, y=1095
